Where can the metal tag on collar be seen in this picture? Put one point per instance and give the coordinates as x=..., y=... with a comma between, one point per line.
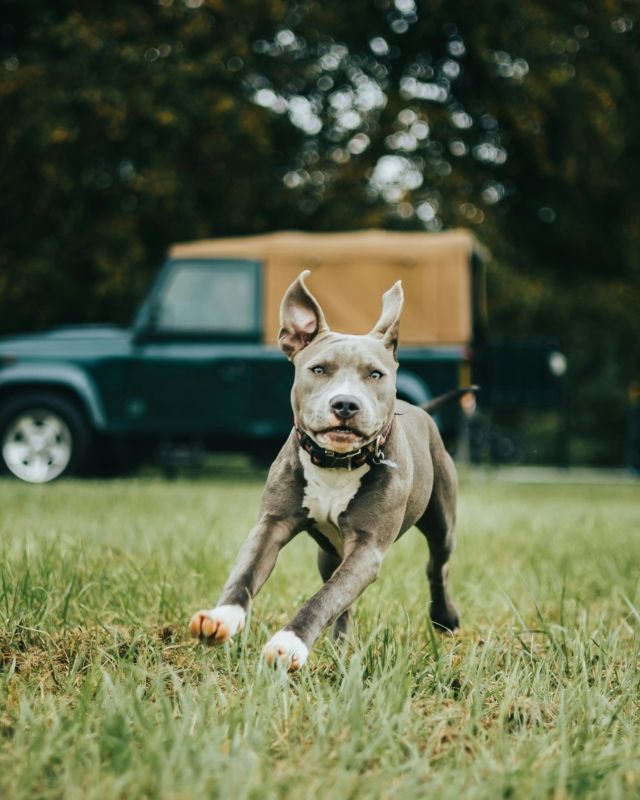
x=386, y=462
x=378, y=456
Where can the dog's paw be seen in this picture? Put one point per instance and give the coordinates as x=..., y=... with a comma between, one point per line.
x=287, y=649
x=218, y=624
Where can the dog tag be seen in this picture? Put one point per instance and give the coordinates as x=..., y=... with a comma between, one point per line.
x=379, y=457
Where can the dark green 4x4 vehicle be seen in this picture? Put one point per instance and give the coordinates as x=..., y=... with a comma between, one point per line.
x=200, y=368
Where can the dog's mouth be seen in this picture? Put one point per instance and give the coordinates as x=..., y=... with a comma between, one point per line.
x=340, y=435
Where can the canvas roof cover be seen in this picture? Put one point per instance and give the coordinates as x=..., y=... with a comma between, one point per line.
x=350, y=272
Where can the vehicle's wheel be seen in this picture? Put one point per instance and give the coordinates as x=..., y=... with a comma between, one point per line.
x=42, y=437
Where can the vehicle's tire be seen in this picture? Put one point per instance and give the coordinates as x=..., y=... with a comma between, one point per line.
x=43, y=436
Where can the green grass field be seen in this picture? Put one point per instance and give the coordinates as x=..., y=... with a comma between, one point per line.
x=102, y=695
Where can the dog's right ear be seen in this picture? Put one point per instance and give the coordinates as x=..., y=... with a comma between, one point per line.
x=301, y=318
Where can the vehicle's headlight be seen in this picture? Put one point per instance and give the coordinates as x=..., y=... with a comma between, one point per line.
x=558, y=363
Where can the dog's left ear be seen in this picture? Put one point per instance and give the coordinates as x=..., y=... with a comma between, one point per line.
x=301, y=318
x=388, y=326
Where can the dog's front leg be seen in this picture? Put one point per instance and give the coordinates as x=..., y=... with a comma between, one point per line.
x=254, y=564
x=281, y=518
x=359, y=568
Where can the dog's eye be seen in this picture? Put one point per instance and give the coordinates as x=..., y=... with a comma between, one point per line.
x=376, y=375
x=317, y=370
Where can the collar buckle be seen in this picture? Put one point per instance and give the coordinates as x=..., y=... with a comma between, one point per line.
x=342, y=456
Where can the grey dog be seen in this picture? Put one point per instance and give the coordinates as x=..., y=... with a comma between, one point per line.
x=358, y=469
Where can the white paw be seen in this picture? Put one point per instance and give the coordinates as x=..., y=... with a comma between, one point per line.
x=218, y=624
x=287, y=649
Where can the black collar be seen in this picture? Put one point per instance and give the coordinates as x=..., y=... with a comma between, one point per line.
x=370, y=453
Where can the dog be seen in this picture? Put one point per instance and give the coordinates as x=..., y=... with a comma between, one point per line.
x=358, y=469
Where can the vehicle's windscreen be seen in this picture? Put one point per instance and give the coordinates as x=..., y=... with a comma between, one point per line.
x=210, y=297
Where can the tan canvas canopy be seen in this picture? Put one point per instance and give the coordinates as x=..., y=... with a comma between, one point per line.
x=350, y=272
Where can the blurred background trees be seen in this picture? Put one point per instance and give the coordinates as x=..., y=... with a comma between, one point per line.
x=128, y=126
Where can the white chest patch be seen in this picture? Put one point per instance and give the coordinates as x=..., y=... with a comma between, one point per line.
x=328, y=493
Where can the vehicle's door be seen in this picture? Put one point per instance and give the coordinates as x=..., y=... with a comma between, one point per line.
x=191, y=371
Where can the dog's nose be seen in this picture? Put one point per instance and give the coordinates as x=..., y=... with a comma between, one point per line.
x=345, y=406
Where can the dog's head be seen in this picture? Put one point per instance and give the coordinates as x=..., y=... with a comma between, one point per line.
x=345, y=386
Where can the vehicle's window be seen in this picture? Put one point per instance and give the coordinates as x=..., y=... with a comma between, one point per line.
x=210, y=297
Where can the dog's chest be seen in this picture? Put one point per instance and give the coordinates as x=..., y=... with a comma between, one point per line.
x=327, y=495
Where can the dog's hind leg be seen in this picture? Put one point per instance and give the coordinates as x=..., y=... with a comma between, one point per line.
x=328, y=564
x=438, y=526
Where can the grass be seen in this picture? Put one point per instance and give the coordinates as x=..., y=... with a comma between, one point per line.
x=103, y=695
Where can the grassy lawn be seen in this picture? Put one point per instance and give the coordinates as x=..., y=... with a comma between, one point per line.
x=102, y=695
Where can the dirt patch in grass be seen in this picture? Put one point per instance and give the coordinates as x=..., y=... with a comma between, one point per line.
x=52, y=659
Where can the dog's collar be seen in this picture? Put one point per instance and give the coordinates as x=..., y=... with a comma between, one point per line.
x=370, y=453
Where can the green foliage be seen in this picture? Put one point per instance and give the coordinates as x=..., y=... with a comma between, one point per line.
x=103, y=695
x=130, y=126
x=127, y=129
